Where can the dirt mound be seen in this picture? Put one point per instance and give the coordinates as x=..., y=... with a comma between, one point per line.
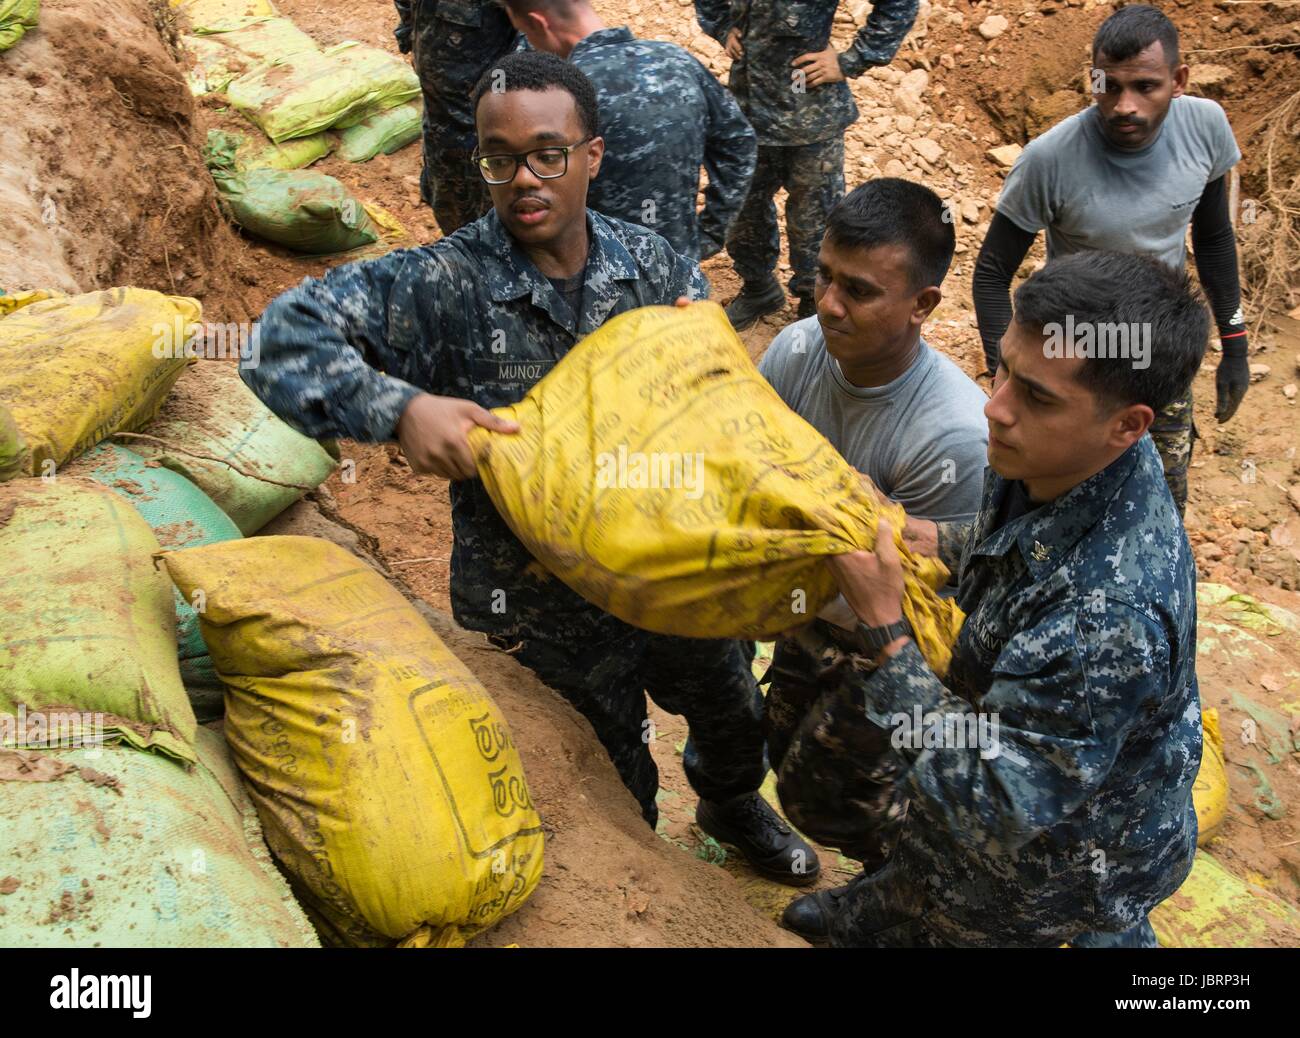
x=131, y=202
x=609, y=880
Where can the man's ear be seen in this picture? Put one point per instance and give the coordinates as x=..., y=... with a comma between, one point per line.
x=924, y=303
x=1181, y=74
x=595, y=154
x=1130, y=424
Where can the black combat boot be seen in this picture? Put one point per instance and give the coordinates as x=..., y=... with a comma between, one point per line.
x=810, y=916
x=757, y=300
x=750, y=825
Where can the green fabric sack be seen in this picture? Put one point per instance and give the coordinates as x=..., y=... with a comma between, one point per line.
x=254, y=153
x=308, y=212
x=383, y=133
x=305, y=93
x=16, y=17
x=211, y=412
x=217, y=54
x=181, y=516
x=114, y=848
x=89, y=624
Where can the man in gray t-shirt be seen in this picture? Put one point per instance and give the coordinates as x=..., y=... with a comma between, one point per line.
x=1129, y=174
x=921, y=437
x=902, y=414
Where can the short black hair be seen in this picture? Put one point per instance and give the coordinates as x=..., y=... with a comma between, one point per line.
x=534, y=70
x=890, y=211
x=1131, y=30
x=1123, y=291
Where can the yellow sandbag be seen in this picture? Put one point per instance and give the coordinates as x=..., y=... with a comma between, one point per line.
x=76, y=369
x=387, y=782
x=662, y=478
x=204, y=13
x=15, y=301
x=1215, y=909
x=1210, y=791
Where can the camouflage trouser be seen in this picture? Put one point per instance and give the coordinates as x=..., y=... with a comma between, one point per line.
x=1174, y=432
x=451, y=185
x=838, y=778
x=813, y=174
x=1141, y=936
x=708, y=681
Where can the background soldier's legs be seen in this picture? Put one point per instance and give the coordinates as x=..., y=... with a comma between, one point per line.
x=1173, y=433
x=815, y=181
x=792, y=693
x=754, y=241
x=452, y=187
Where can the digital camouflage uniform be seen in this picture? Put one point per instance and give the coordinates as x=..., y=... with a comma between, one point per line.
x=1081, y=638
x=454, y=43
x=663, y=115
x=800, y=129
x=470, y=316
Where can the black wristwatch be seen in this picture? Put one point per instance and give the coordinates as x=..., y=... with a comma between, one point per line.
x=873, y=639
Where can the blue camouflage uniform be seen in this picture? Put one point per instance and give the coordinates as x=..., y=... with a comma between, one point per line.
x=1081, y=639
x=470, y=316
x=454, y=43
x=800, y=129
x=663, y=115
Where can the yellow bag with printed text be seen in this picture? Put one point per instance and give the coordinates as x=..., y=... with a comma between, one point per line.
x=387, y=782
x=660, y=476
x=1210, y=790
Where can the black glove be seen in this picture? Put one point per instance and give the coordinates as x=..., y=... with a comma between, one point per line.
x=1231, y=378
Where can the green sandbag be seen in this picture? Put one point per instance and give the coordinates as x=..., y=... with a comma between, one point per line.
x=181, y=516
x=295, y=154
x=249, y=154
x=114, y=848
x=260, y=39
x=88, y=621
x=302, y=94
x=16, y=17
x=217, y=54
x=307, y=212
x=383, y=133
x=210, y=411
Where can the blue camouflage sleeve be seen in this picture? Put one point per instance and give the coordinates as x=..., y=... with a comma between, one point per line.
x=1066, y=693
x=403, y=30
x=878, y=41
x=714, y=17
x=730, y=154
x=318, y=349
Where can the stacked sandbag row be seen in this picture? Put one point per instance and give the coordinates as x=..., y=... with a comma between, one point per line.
x=366, y=755
x=356, y=100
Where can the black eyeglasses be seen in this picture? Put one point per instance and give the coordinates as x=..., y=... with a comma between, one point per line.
x=545, y=163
